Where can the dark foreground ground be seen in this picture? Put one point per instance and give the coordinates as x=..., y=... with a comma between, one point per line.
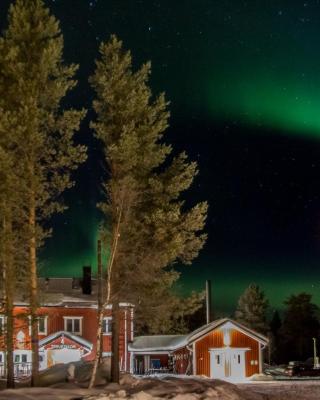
x=173, y=388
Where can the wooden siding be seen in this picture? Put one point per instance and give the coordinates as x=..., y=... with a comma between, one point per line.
x=202, y=346
x=163, y=358
x=181, y=359
x=214, y=339
x=55, y=323
x=238, y=339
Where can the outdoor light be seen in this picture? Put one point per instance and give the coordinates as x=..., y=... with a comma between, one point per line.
x=226, y=337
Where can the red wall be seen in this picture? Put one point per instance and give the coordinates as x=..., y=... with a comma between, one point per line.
x=215, y=339
x=181, y=360
x=164, y=358
x=55, y=323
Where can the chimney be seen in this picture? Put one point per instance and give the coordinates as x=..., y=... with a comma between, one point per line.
x=86, y=280
x=208, y=301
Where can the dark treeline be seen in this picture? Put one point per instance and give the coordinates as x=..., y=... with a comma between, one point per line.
x=290, y=332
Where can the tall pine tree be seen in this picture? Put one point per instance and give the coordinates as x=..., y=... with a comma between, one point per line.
x=33, y=82
x=275, y=338
x=252, y=309
x=13, y=229
x=299, y=326
x=149, y=221
x=10, y=246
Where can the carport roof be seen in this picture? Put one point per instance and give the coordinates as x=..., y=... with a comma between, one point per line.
x=158, y=343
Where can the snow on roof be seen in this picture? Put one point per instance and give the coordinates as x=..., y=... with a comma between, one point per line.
x=64, y=292
x=174, y=342
x=158, y=343
x=203, y=330
x=69, y=335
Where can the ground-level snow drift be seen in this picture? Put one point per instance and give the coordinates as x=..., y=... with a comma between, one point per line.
x=172, y=388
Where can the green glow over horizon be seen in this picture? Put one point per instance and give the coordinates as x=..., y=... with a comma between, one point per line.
x=271, y=103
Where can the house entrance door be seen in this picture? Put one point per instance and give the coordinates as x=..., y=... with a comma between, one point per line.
x=217, y=363
x=227, y=363
x=237, y=364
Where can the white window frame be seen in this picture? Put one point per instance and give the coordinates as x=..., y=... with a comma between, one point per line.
x=65, y=318
x=45, y=332
x=45, y=325
x=3, y=323
x=108, y=319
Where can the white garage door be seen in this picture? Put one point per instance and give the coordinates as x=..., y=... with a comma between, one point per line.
x=64, y=356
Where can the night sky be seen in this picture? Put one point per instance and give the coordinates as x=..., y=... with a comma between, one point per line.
x=243, y=78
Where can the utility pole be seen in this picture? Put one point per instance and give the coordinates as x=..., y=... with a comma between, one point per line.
x=208, y=302
x=315, y=358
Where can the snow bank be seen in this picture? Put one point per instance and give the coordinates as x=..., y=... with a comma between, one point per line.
x=176, y=389
x=171, y=388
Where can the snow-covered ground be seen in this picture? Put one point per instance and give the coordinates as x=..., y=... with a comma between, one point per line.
x=172, y=388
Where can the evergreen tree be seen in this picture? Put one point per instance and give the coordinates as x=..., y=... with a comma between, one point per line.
x=13, y=232
x=8, y=240
x=275, y=338
x=300, y=326
x=252, y=309
x=33, y=82
x=144, y=208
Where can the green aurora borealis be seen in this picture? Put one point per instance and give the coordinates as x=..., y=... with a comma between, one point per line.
x=265, y=102
x=243, y=78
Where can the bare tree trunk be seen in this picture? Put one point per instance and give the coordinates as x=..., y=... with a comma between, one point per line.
x=33, y=293
x=100, y=293
x=115, y=370
x=9, y=342
x=114, y=246
x=9, y=279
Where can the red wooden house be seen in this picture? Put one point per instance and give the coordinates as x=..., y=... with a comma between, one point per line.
x=223, y=349
x=67, y=326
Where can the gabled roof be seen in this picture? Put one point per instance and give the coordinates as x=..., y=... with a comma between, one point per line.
x=175, y=342
x=78, y=339
x=203, y=330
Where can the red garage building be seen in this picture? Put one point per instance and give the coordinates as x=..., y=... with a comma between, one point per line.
x=223, y=349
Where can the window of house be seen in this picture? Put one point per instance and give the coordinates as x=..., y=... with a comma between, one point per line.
x=1, y=360
x=73, y=325
x=155, y=363
x=218, y=359
x=42, y=324
x=20, y=358
x=1, y=324
x=239, y=359
x=107, y=326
